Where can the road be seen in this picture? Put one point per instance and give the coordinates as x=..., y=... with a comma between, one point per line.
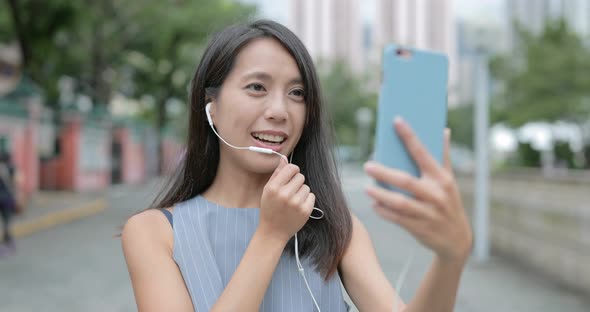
x=79, y=266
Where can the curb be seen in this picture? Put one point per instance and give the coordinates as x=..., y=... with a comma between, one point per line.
x=63, y=216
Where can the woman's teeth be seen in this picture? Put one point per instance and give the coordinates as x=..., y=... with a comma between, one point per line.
x=269, y=138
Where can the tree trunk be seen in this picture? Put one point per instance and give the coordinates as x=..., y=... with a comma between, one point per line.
x=160, y=124
x=585, y=133
x=100, y=87
x=21, y=32
x=162, y=117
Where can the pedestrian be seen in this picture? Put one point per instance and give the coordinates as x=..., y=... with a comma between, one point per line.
x=255, y=218
x=7, y=202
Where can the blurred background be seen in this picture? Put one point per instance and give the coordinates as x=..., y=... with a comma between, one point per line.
x=93, y=116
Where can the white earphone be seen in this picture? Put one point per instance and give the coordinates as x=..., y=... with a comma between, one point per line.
x=269, y=151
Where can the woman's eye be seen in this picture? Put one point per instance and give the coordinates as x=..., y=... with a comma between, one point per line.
x=255, y=87
x=297, y=92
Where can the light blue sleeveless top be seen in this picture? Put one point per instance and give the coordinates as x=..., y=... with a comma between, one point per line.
x=209, y=242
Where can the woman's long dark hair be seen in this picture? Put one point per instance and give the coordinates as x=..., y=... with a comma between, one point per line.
x=323, y=240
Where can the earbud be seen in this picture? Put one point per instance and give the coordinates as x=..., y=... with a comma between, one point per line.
x=208, y=112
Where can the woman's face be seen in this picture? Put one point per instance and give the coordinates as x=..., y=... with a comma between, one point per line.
x=260, y=104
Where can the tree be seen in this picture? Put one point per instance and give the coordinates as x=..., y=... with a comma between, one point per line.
x=161, y=60
x=143, y=48
x=344, y=94
x=460, y=121
x=547, y=79
x=35, y=33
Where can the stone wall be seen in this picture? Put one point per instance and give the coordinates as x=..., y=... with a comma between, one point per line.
x=542, y=223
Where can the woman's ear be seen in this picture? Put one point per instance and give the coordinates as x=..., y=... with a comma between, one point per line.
x=213, y=109
x=209, y=108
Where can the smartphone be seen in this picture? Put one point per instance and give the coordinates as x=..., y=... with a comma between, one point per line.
x=413, y=87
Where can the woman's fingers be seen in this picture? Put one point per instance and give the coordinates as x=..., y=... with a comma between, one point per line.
x=421, y=188
x=419, y=153
x=282, y=163
x=309, y=202
x=412, y=225
x=284, y=175
x=390, y=176
x=293, y=186
x=400, y=204
x=301, y=195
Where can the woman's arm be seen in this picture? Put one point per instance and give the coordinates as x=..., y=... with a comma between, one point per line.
x=434, y=215
x=158, y=285
x=286, y=205
x=369, y=289
x=362, y=276
x=248, y=285
x=438, y=290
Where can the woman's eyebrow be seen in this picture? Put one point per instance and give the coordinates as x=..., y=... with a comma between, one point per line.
x=258, y=75
x=296, y=80
x=267, y=77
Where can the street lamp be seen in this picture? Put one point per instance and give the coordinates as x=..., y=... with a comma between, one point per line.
x=481, y=246
x=364, y=117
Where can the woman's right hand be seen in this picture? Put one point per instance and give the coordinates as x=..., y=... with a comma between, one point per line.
x=286, y=202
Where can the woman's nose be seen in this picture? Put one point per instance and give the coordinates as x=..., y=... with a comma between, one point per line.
x=277, y=109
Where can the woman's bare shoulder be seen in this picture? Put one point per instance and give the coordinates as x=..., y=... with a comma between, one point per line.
x=158, y=285
x=149, y=227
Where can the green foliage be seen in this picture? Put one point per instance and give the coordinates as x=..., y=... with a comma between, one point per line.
x=147, y=47
x=161, y=57
x=460, y=121
x=527, y=156
x=564, y=156
x=547, y=78
x=7, y=33
x=344, y=94
x=41, y=26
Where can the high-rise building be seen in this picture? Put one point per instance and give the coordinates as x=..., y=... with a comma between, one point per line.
x=330, y=29
x=476, y=38
x=422, y=24
x=533, y=14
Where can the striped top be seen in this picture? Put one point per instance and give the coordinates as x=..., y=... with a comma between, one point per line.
x=209, y=242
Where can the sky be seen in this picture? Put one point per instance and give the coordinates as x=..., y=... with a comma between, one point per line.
x=464, y=9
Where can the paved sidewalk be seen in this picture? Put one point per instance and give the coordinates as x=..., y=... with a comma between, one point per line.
x=498, y=285
x=51, y=208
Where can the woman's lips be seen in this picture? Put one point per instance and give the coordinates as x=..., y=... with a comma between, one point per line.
x=274, y=147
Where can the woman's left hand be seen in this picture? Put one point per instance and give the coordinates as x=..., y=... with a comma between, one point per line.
x=435, y=216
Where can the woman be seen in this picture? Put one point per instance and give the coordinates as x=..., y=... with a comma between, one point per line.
x=7, y=202
x=205, y=249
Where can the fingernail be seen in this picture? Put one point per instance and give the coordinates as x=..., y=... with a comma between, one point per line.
x=398, y=120
x=369, y=165
x=369, y=190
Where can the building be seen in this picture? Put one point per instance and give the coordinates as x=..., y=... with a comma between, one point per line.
x=475, y=36
x=533, y=14
x=331, y=30
x=421, y=24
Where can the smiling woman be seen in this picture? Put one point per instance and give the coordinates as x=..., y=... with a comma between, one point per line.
x=264, y=92
x=220, y=237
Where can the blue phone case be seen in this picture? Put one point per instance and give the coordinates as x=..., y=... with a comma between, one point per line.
x=413, y=87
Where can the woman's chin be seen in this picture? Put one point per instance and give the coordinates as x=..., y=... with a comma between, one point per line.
x=263, y=163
